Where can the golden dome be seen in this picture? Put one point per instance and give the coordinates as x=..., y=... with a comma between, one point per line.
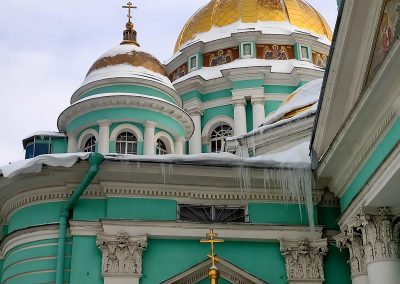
x=128, y=54
x=221, y=13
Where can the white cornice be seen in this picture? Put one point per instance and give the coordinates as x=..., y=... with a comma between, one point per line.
x=186, y=230
x=127, y=100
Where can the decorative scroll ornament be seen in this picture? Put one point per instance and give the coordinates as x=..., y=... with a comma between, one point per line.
x=353, y=241
x=304, y=260
x=122, y=254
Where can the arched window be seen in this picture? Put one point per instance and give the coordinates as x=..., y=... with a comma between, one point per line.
x=161, y=148
x=90, y=145
x=126, y=143
x=218, y=136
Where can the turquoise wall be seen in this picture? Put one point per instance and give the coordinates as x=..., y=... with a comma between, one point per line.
x=141, y=209
x=382, y=150
x=126, y=114
x=336, y=268
x=59, y=145
x=271, y=106
x=132, y=89
x=210, y=113
x=39, y=214
x=34, y=262
x=164, y=259
x=86, y=261
x=275, y=213
x=328, y=217
x=249, y=116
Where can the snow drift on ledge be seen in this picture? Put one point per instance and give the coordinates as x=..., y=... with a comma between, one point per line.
x=294, y=158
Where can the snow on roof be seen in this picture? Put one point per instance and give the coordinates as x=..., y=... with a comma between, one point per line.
x=126, y=71
x=294, y=158
x=307, y=95
x=35, y=165
x=121, y=49
x=271, y=28
x=277, y=66
x=47, y=134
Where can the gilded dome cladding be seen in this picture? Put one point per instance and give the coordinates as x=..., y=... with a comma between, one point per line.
x=221, y=13
x=134, y=57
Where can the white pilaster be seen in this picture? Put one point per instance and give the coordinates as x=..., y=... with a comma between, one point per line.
x=179, y=141
x=104, y=136
x=240, y=126
x=149, y=142
x=195, y=140
x=72, y=143
x=258, y=111
x=121, y=258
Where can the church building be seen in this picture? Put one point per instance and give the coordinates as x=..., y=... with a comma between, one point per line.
x=266, y=150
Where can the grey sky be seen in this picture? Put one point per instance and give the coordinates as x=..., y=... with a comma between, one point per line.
x=46, y=48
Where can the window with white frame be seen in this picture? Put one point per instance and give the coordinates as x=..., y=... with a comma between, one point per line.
x=193, y=62
x=161, y=148
x=90, y=144
x=305, y=52
x=247, y=49
x=126, y=143
x=218, y=136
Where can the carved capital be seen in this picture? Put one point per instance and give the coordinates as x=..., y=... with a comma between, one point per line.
x=122, y=255
x=304, y=259
x=379, y=233
x=353, y=241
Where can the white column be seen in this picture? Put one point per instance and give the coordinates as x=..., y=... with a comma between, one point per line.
x=240, y=126
x=360, y=279
x=384, y=272
x=195, y=140
x=149, y=142
x=104, y=136
x=179, y=141
x=258, y=111
x=72, y=143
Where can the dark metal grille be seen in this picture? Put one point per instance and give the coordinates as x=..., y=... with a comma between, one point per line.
x=211, y=213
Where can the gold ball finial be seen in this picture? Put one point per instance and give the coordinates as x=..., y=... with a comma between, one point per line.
x=213, y=273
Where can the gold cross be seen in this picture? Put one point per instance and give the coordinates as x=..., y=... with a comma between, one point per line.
x=212, y=239
x=129, y=6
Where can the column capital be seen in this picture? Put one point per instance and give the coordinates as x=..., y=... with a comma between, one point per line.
x=150, y=124
x=238, y=101
x=304, y=260
x=180, y=139
x=257, y=100
x=353, y=241
x=194, y=107
x=104, y=122
x=122, y=255
x=379, y=233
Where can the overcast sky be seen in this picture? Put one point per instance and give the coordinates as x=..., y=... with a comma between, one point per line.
x=47, y=47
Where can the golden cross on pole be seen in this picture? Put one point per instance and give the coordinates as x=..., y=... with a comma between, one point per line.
x=212, y=240
x=129, y=6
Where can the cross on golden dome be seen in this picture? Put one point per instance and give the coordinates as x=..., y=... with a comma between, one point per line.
x=129, y=6
x=212, y=240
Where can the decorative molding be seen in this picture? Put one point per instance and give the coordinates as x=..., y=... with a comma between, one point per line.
x=217, y=103
x=304, y=260
x=228, y=271
x=44, y=232
x=379, y=230
x=125, y=100
x=126, y=127
x=364, y=152
x=115, y=189
x=85, y=136
x=185, y=230
x=121, y=254
x=353, y=241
